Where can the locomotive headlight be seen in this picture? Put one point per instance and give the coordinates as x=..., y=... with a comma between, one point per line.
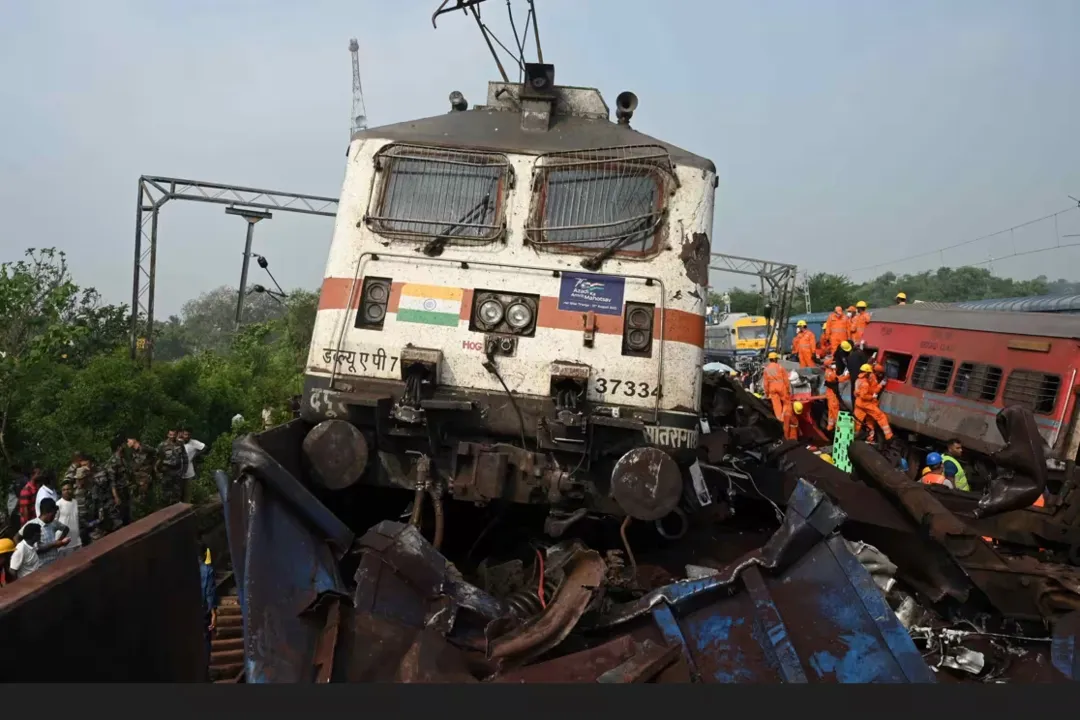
x=638, y=329
x=490, y=312
x=637, y=339
x=639, y=318
x=519, y=316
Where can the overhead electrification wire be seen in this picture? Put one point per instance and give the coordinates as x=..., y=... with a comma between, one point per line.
x=937, y=251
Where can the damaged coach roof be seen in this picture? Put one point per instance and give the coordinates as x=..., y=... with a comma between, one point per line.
x=1009, y=323
x=579, y=121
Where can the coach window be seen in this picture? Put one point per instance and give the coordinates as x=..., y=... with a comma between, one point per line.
x=977, y=382
x=438, y=196
x=1034, y=390
x=932, y=373
x=897, y=366
x=601, y=202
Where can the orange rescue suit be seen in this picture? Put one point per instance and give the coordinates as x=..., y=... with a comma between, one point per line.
x=777, y=387
x=832, y=381
x=803, y=346
x=790, y=421
x=839, y=330
x=858, y=325
x=866, y=407
x=933, y=478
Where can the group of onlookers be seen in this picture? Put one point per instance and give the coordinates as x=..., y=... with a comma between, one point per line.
x=94, y=499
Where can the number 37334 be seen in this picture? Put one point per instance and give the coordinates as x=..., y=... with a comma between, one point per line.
x=627, y=388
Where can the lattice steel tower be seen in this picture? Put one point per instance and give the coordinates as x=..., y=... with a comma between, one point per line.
x=359, y=112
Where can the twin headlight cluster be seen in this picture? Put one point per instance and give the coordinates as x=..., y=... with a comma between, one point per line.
x=509, y=313
x=504, y=312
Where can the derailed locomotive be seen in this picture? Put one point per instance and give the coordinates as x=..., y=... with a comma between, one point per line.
x=513, y=308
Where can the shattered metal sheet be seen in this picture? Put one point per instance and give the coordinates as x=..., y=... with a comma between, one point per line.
x=284, y=570
x=800, y=609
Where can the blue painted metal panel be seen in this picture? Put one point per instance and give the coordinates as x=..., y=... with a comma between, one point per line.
x=283, y=565
x=801, y=609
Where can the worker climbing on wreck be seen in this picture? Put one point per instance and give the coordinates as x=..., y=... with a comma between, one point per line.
x=832, y=391
x=901, y=298
x=803, y=345
x=776, y=385
x=859, y=322
x=792, y=411
x=867, y=412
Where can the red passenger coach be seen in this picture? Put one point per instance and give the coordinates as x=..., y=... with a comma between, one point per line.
x=951, y=371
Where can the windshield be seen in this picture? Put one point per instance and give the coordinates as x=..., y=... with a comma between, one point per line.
x=450, y=194
x=753, y=333
x=600, y=200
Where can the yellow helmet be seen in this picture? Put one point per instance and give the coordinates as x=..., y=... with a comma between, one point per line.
x=866, y=368
x=861, y=304
x=827, y=458
x=801, y=323
x=901, y=296
x=773, y=356
x=845, y=346
x=6, y=545
x=797, y=407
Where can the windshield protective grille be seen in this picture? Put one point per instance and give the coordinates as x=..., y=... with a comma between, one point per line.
x=592, y=200
x=433, y=193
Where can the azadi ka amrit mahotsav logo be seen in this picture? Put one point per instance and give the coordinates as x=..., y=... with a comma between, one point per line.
x=590, y=292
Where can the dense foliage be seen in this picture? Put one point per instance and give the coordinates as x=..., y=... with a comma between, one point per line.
x=943, y=285
x=67, y=382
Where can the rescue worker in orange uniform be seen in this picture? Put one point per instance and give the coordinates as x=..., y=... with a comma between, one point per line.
x=859, y=322
x=839, y=328
x=823, y=341
x=866, y=405
x=803, y=345
x=832, y=391
x=934, y=473
x=792, y=411
x=901, y=298
x=776, y=385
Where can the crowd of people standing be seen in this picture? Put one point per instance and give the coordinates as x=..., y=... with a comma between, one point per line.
x=94, y=498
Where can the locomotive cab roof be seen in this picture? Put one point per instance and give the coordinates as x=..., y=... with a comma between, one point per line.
x=516, y=120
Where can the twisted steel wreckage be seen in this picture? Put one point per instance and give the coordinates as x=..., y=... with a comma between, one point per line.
x=509, y=466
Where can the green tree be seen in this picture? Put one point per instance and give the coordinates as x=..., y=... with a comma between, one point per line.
x=45, y=320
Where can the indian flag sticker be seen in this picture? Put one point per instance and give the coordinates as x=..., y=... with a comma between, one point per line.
x=430, y=305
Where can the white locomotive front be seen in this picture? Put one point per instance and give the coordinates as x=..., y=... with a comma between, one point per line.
x=513, y=307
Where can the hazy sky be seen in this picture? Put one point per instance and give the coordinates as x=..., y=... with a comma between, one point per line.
x=846, y=132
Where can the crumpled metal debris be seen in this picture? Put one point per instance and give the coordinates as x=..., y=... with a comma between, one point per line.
x=876, y=563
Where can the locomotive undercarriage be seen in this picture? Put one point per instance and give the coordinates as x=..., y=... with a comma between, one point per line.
x=579, y=459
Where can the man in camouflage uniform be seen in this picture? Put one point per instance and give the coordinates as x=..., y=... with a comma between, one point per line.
x=78, y=460
x=84, y=499
x=104, y=496
x=119, y=482
x=173, y=459
x=140, y=465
